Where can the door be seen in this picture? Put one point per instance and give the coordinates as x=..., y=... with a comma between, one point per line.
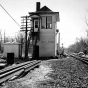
x=36, y=52
x=36, y=25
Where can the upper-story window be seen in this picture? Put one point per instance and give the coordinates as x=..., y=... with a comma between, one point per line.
x=43, y=26
x=46, y=22
x=49, y=22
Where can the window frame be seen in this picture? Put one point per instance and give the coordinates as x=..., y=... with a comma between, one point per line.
x=46, y=22
x=36, y=24
x=41, y=22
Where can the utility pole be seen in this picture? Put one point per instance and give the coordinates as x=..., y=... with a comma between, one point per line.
x=26, y=50
x=4, y=36
x=21, y=44
x=25, y=21
x=0, y=36
x=0, y=41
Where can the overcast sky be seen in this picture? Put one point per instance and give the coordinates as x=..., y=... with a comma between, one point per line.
x=72, y=13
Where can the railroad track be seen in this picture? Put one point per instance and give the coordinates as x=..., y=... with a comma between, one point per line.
x=11, y=71
x=83, y=59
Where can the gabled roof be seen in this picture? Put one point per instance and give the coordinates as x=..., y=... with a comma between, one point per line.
x=45, y=9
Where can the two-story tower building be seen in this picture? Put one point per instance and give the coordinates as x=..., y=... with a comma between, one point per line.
x=44, y=26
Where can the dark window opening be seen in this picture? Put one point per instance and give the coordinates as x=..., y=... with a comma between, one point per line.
x=36, y=24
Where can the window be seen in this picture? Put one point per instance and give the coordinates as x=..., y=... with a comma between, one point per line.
x=36, y=23
x=49, y=22
x=46, y=22
x=43, y=22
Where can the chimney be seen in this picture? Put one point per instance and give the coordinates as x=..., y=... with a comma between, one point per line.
x=37, y=6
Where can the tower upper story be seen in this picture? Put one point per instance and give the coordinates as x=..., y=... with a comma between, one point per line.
x=44, y=20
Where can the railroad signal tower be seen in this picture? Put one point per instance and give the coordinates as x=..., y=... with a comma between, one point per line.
x=43, y=32
x=44, y=29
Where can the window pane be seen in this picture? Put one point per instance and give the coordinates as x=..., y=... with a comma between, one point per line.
x=43, y=22
x=36, y=24
x=49, y=22
x=49, y=25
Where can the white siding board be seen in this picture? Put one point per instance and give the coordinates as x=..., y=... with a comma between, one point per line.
x=47, y=37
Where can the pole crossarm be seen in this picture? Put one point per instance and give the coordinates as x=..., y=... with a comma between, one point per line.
x=25, y=29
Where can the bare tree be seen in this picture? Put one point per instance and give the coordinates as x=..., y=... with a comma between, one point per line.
x=86, y=20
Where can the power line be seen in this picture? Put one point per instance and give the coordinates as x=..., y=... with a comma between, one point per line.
x=10, y=15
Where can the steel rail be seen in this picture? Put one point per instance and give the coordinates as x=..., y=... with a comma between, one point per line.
x=16, y=70
x=86, y=58
x=15, y=66
x=10, y=75
x=83, y=59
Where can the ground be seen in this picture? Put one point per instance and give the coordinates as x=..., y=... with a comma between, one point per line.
x=58, y=73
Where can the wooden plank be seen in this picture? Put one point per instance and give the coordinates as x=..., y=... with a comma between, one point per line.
x=8, y=77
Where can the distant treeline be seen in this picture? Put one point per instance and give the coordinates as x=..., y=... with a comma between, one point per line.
x=81, y=45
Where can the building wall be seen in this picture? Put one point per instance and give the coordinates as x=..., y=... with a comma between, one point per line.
x=11, y=48
x=46, y=49
x=55, y=39
x=58, y=41
x=47, y=40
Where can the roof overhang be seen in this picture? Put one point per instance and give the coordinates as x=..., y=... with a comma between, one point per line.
x=57, y=16
x=42, y=12
x=34, y=16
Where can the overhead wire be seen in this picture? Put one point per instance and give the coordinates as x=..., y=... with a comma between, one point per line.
x=10, y=15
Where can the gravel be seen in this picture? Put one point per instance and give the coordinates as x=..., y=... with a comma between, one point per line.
x=57, y=73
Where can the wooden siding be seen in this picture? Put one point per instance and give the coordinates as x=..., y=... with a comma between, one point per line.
x=46, y=49
x=47, y=45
